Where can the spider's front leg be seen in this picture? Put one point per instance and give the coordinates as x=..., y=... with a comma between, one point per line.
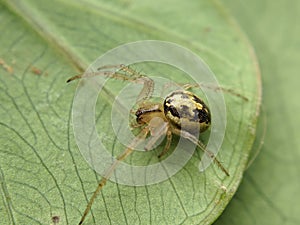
x=216, y=88
x=125, y=73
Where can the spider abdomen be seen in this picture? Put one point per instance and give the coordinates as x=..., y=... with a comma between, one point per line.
x=186, y=111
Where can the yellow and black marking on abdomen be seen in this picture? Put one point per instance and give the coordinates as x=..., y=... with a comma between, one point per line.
x=186, y=111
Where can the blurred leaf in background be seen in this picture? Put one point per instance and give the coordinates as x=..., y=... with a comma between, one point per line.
x=269, y=193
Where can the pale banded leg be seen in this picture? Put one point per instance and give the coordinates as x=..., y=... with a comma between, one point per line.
x=193, y=139
x=168, y=143
x=158, y=130
x=217, y=88
x=136, y=141
x=123, y=72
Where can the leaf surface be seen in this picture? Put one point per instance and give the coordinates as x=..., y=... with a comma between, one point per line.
x=42, y=172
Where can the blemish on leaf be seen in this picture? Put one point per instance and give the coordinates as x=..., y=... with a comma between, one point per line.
x=7, y=67
x=55, y=219
x=36, y=70
x=207, y=29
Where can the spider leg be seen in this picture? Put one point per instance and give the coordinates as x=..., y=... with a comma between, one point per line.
x=125, y=73
x=135, y=77
x=189, y=86
x=167, y=146
x=169, y=87
x=90, y=74
x=121, y=67
x=216, y=88
x=136, y=141
x=193, y=139
x=157, y=131
x=135, y=125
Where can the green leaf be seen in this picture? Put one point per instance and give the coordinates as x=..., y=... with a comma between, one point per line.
x=269, y=191
x=42, y=172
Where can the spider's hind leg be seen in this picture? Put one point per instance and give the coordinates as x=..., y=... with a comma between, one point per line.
x=193, y=139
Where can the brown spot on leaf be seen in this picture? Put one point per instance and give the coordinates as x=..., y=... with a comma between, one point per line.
x=55, y=219
x=7, y=67
x=36, y=70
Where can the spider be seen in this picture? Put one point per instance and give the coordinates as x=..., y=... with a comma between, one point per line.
x=182, y=113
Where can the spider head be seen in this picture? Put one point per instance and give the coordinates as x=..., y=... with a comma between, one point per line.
x=147, y=112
